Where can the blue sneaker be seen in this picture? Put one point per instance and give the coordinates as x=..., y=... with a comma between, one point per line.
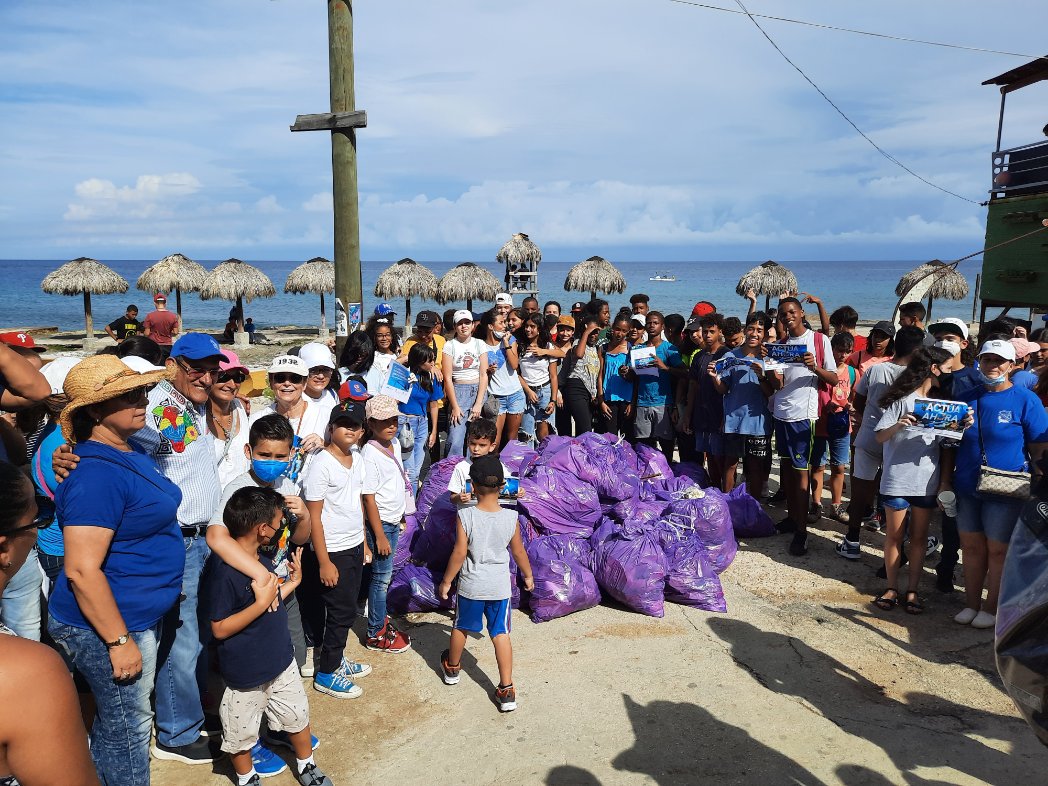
x=282, y=739
x=354, y=670
x=266, y=763
x=338, y=685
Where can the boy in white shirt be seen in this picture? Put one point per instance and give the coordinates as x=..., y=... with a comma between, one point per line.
x=480, y=441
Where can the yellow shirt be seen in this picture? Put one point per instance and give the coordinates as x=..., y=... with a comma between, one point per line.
x=439, y=341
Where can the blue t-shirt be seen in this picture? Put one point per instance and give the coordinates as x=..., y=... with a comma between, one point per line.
x=263, y=649
x=745, y=405
x=125, y=493
x=960, y=385
x=1009, y=420
x=657, y=391
x=708, y=412
x=616, y=388
x=1024, y=379
x=418, y=402
x=49, y=540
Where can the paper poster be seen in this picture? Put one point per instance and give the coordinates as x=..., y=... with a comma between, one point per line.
x=642, y=361
x=728, y=362
x=781, y=354
x=341, y=324
x=356, y=315
x=397, y=383
x=939, y=418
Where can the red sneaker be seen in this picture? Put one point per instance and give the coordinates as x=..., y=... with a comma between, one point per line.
x=389, y=639
x=506, y=697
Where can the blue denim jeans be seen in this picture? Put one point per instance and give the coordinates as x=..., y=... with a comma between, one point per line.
x=413, y=460
x=466, y=396
x=181, y=674
x=120, y=733
x=20, y=604
x=381, y=574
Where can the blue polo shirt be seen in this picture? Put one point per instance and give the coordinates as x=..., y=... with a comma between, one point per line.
x=657, y=391
x=419, y=401
x=124, y=492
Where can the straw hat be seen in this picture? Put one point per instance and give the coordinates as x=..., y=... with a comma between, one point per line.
x=100, y=378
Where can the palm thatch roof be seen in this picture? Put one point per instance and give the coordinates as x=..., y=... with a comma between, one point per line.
x=769, y=278
x=234, y=279
x=936, y=279
x=595, y=274
x=468, y=281
x=518, y=250
x=174, y=272
x=315, y=277
x=406, y=279
x=84, y=276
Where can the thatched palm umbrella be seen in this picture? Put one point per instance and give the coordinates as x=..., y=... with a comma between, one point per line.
x=935, y=279
x=316, y=276
x=406, y=279
x=84, y=276
x=177, y=272
x=467, y=281
x=768, y=279
x=519, y=249
x=594, y=275
x=238, y=281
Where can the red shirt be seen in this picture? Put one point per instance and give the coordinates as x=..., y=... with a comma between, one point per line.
x=162, y=326
x=860, y=343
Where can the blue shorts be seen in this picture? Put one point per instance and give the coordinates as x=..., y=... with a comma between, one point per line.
x=795, y=440
x=470, y=615
x=837, y=450
x=711, y=442
x=989, y=515
x=513, y=404
x=902, y=503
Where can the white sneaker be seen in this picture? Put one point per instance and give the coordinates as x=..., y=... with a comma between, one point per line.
x=933, y=546
x=984, y=619
x=965, y=616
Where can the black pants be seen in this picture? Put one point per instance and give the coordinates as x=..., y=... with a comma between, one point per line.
x=951, y=545
x=618, y=423
x=576, y=408
x=331, y=610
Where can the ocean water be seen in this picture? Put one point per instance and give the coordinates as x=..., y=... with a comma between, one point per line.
x=867, y=286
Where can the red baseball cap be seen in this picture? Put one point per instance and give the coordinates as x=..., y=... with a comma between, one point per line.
x=23, y=340
x=159, y=296
x=702, y=308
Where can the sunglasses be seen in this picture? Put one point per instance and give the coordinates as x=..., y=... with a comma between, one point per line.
x=45, y=516
x=320, y=371
x=232, y=376
x=282, y=378
x=195, y=372
x=136, y=396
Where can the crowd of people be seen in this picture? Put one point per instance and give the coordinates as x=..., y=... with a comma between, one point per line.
x=157, y=520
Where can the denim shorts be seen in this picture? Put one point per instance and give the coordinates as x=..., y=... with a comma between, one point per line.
x=538, y=409
x=836, y=449
x=902, y=503
x=989, y=515
x=514, y=403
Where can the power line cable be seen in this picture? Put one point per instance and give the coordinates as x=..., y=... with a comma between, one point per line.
x=858, y=130
x=888, y=36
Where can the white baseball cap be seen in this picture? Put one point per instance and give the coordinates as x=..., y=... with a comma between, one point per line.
x=316, y=354
x=289, y=364
x=949, y=325
x=1000, y=348
x=463, y=315
x=141, y=365
x=55, y=373
x=503, y=299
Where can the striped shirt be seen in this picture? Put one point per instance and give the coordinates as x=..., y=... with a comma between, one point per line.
x=177, y=436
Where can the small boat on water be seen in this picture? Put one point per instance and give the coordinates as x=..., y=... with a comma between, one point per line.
x=663, y=277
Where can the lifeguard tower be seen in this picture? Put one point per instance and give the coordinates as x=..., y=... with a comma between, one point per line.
x=521, y=258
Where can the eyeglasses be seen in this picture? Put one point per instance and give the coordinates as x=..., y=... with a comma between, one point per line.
x=320, y=371
x=282, y=378
x=231, y=376
x=45, y=516
x=136, y=396
x=195, y=372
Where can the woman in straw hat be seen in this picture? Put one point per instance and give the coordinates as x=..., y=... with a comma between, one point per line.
x=124, y=558
x=44, y=740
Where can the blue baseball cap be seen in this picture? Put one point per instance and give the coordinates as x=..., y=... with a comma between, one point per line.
x=353, y=390
x=197, y=346
x=384, y=310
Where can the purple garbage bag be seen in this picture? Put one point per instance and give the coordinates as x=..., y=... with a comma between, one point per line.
x=710, y=519
x=552, y=444
x=435, y=487
x=407, y=539
x=434, y=543
x=607, y=528
x=691, y=580
x=518, y=457
x=694, y=471
x=671, y=488
x=600, y=462
x=633, y=571
x=414, y=589
x=527, y=529
x=652, y=463
x=563, y=581
x=559, y=503
x=637, y=510
x=748, y=518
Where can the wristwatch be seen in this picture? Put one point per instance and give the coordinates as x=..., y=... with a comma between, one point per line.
x=119, y=642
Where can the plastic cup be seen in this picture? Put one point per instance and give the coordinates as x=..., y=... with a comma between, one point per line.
x=948, y=500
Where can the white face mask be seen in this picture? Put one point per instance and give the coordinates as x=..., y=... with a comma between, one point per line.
x=499, y=334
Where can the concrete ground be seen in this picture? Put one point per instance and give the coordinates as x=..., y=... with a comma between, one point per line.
x=801, y=682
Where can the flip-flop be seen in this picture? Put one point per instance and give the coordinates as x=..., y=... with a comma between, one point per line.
x=913, y=606
x=884, y=603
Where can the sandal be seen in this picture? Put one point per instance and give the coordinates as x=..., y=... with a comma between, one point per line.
x=885, y=603
x=913, y=606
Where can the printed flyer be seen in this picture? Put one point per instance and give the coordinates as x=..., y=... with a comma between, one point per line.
x=398, y=382
x=781, y=354
x=642, y=360
x=939, y=418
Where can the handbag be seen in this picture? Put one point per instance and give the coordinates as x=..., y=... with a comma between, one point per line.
x=406, y=436
x=1000, y=482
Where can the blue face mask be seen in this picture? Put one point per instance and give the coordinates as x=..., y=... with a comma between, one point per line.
x=999, y=380
x=267, y=470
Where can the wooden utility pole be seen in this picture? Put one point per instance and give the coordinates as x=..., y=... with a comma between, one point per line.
x=342, y=121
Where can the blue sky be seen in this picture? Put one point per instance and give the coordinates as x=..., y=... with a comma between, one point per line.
x=633, y=129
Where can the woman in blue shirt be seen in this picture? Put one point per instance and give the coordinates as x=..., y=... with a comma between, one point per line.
x=124, y=559
x=1011, y=432
x=419, y=412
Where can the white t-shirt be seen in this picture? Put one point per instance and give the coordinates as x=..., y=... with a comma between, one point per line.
x=534, y=369
x=873, y=385
x=911, y=458
x=384, y=478
x=465, y=360
x=377, y=373
x=799, y=397
x=339, y=488
x=460, y=475
x=313, y=420
x=229, y=454
x=245, y=481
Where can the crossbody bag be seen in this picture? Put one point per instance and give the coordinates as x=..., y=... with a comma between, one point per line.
x=1000, y=482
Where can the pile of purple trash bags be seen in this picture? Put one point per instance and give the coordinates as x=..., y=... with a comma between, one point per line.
x=599, y=518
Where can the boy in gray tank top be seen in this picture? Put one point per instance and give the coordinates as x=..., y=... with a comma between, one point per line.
x=484, y=533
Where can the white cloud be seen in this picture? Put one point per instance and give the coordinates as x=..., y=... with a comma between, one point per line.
x=268, y=204
x=151, y=195
x=321, y=202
